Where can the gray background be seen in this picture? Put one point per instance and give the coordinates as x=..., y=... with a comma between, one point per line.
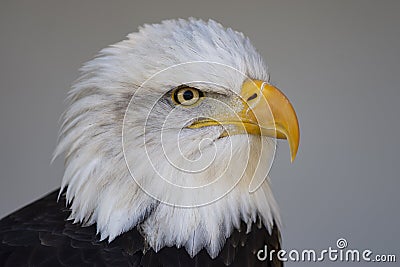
x=338, y=62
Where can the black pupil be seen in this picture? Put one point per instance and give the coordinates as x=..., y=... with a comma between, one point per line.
x=188, y=95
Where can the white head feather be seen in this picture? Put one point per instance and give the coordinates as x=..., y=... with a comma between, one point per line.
x=100, y=187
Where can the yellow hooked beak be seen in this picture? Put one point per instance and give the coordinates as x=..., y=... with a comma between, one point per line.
x=266, y=111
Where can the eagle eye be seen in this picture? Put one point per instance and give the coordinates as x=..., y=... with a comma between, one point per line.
x=186, y=96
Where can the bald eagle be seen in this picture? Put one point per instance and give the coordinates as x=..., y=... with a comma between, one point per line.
x=168, y=139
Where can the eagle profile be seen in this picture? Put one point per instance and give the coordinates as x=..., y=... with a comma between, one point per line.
x=168, y=138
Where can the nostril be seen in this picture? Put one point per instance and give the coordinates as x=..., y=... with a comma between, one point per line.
x=252, y=97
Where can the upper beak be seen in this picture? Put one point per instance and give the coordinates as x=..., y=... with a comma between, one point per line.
x=266, y=111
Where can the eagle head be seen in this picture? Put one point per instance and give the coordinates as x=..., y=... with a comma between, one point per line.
x=173, y=131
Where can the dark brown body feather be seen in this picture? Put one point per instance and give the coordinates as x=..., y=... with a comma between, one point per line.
x=40, y=235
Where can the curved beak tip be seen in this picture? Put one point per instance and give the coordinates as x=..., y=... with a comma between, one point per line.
x=294, y=141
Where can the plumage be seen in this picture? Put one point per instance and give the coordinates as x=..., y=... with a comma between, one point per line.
x=168, y=138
